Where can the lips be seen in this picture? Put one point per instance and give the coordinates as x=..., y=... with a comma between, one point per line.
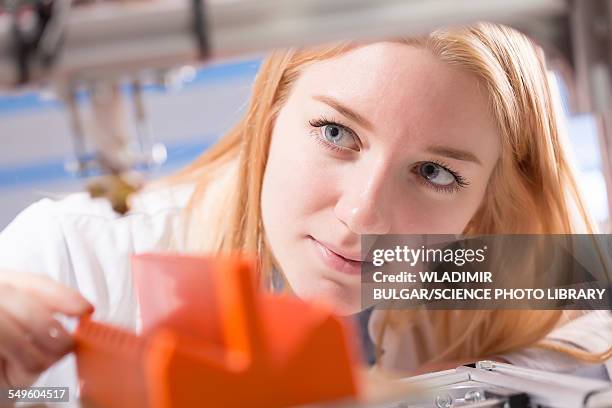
x=336, y=258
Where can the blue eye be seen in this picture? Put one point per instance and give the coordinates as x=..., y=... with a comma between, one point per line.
x=333, y=133
x=334, y=136
x=339, y=136
x=436, y=174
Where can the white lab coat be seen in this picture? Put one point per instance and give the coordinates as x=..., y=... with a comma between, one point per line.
x=81, y=243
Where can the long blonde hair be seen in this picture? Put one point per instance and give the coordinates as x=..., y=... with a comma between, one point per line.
x=532, y=189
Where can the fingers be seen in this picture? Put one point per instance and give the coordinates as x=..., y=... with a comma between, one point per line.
x=36, y=320
x=17, y=348
x=53, y=295
x=31, y=339
x=15, y=376
x=4, y=380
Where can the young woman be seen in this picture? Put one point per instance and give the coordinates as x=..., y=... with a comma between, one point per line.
x=454, y=132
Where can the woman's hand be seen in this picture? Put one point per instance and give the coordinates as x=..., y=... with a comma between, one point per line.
x=31, y=339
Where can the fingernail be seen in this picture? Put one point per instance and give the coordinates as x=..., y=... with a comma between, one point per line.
x=54, y=333
x=58, y=339
x=87, y=308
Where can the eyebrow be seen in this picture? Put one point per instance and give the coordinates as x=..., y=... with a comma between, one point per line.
x=342, y=109
x=453, y=153
x=446, y=151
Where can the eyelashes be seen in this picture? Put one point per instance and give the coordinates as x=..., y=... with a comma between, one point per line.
x=334, y=135
x=319, y=124
x=323, y=121
x=459, y=181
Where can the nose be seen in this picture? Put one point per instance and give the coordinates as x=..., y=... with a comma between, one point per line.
x=363, y=204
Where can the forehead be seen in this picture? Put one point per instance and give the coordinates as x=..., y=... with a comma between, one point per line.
x=403, y=86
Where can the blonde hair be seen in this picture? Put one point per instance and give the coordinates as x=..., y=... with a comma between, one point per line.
x=532, y=189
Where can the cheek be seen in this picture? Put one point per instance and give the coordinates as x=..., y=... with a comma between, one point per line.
x=439, y=220
x=423, y=213
x=294, y=187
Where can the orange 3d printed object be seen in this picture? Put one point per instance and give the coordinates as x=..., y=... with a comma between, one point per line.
x=211, y=339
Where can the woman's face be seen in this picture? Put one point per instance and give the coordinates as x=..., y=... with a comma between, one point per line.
x=386, y=138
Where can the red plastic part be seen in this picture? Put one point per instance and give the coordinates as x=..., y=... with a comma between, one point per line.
x=215, y=341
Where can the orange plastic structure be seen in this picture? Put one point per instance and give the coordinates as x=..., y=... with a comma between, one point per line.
x=210, y=339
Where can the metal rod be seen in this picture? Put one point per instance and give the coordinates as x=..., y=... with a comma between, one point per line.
x=116, y=38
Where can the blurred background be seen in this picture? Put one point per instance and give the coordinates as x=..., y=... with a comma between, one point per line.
x=188, y=116
x=139, y=54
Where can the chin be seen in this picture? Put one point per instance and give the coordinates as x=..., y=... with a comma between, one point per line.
x=341, y=299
